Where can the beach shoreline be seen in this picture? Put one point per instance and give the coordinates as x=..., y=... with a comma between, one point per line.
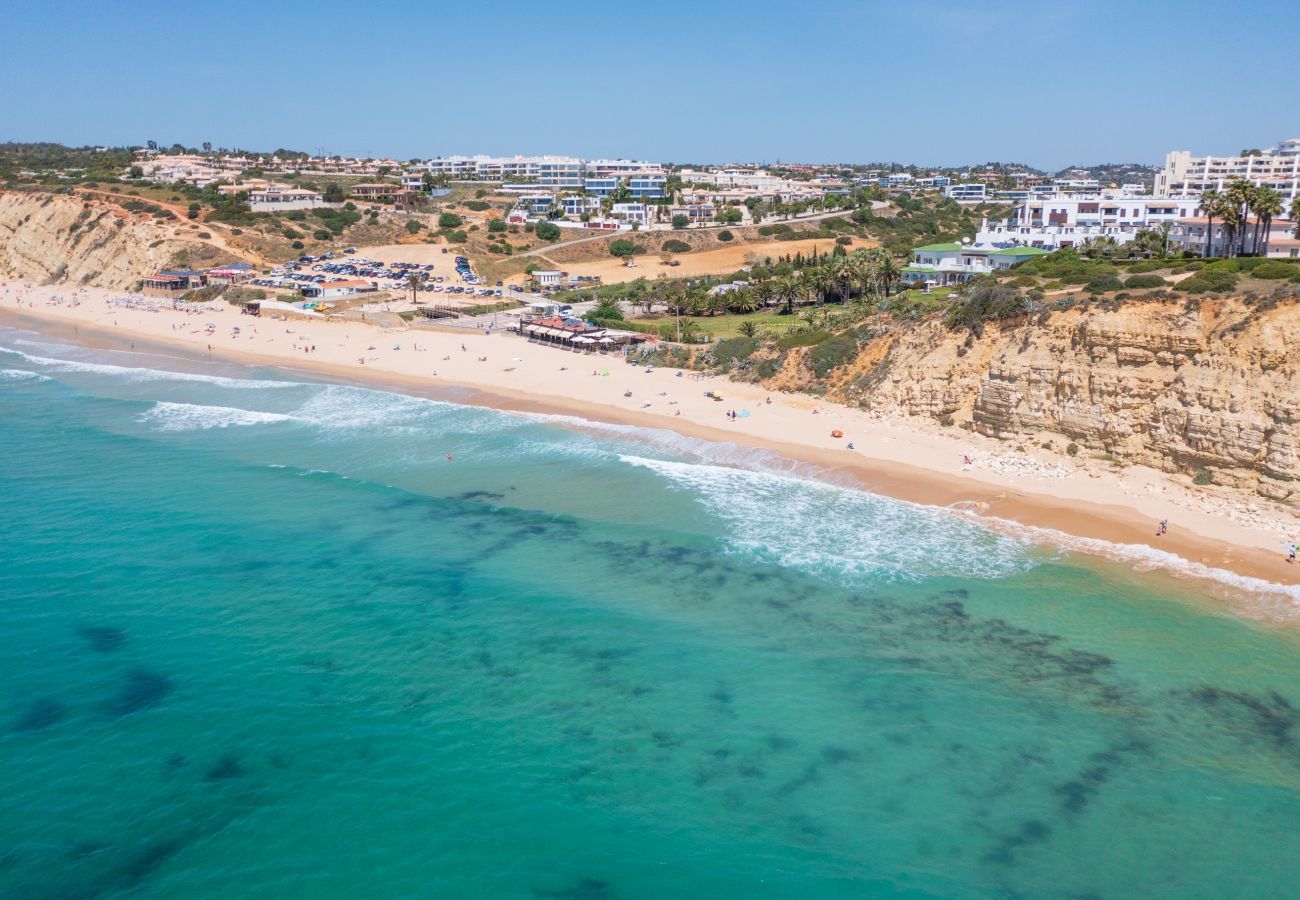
x=1057, y=500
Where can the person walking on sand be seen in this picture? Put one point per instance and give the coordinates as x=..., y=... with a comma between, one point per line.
x=1291, y=558
x=1162, y=527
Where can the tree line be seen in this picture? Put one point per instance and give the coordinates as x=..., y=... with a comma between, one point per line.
x=1233, y=206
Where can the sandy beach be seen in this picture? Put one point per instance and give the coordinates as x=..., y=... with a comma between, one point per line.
x=1086, y=505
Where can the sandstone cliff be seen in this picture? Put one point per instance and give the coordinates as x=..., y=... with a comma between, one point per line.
x=1173, y=384
x=61, y=238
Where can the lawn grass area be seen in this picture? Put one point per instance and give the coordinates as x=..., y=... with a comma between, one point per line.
x=726, y=326
x=917, y=304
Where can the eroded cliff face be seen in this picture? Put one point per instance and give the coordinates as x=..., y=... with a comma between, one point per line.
x=1177, y=385
x=60, y=238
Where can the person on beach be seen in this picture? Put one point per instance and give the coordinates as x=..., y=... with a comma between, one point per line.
x=1291, y=558
x=1162, y=527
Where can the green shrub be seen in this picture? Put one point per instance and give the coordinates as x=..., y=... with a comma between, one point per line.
x=731, y=350
x=832, y=353
x=725, y=235
x=322, y=234
x=496, y=226
x=477, y=205
x=1072, y=449
x=1202, y=478
x=1144, y=281
x=1103, y=283
x=675, y=246
x=1272, y=268
x=622, y=248
x=547, y=231
x=802, y=339
x=457, y=237
x=769, y=230
x=297, y=245
x=449, y=220
x=1208, y=281
x=413, y=226
x=983, y=302
x=681, y=220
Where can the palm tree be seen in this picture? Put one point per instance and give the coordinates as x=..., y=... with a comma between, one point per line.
x=1241, y=193
x=820, y=280
x=747, y=328
x=886, y=270
x=1295, y=215
x=808, y=285
x=413, y=283
x=742, y=301
x=1268, y=204
x=786, y=289
x=860, y=271
x=1211, y=200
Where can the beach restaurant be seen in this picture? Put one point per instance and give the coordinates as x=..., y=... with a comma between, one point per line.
x=172, y=282
x=575, y=334
x=231, y=273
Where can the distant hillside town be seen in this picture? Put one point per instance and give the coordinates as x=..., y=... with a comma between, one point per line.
x=1243, y=204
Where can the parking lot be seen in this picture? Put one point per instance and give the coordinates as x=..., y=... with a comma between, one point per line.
x=445, y=277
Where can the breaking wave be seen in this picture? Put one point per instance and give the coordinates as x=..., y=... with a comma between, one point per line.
x=194, y=417
x=837, y=531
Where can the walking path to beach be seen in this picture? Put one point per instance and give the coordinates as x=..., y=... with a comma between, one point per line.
x=903, y=458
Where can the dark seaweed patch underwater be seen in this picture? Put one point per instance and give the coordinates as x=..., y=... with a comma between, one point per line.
x=544, y=672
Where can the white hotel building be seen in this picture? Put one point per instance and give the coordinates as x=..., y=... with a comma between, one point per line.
x=1277, y=168
x=1053, y=221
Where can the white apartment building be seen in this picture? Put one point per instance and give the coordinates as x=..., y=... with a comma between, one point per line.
x=282, y=197
x=622, y=168
x=757, y=179
x=968, y=193
x=560, y=173
x=1052, y=221
x=577, y=204
x=639, y=214
x=1277, y=168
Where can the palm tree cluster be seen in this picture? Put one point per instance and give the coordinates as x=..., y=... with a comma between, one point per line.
x=1232, y=207
x=786, y=283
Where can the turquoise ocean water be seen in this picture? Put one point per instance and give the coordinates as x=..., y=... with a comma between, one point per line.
x=259, y=638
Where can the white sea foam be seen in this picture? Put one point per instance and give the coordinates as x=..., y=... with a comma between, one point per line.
x=343, y=406
x=146, y=374
x=1143, y=558
x=835, y=530
x=194, y=417
x=673, y=443
x=21, y=375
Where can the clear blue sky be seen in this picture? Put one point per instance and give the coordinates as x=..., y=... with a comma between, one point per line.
x=1048, y=83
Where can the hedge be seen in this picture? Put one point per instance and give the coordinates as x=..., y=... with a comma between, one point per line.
x=1208, y=280
x=1144, y=281
x=1272, y=268
x=675, y=246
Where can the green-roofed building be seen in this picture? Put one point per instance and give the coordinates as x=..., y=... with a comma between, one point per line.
x=944, y=265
